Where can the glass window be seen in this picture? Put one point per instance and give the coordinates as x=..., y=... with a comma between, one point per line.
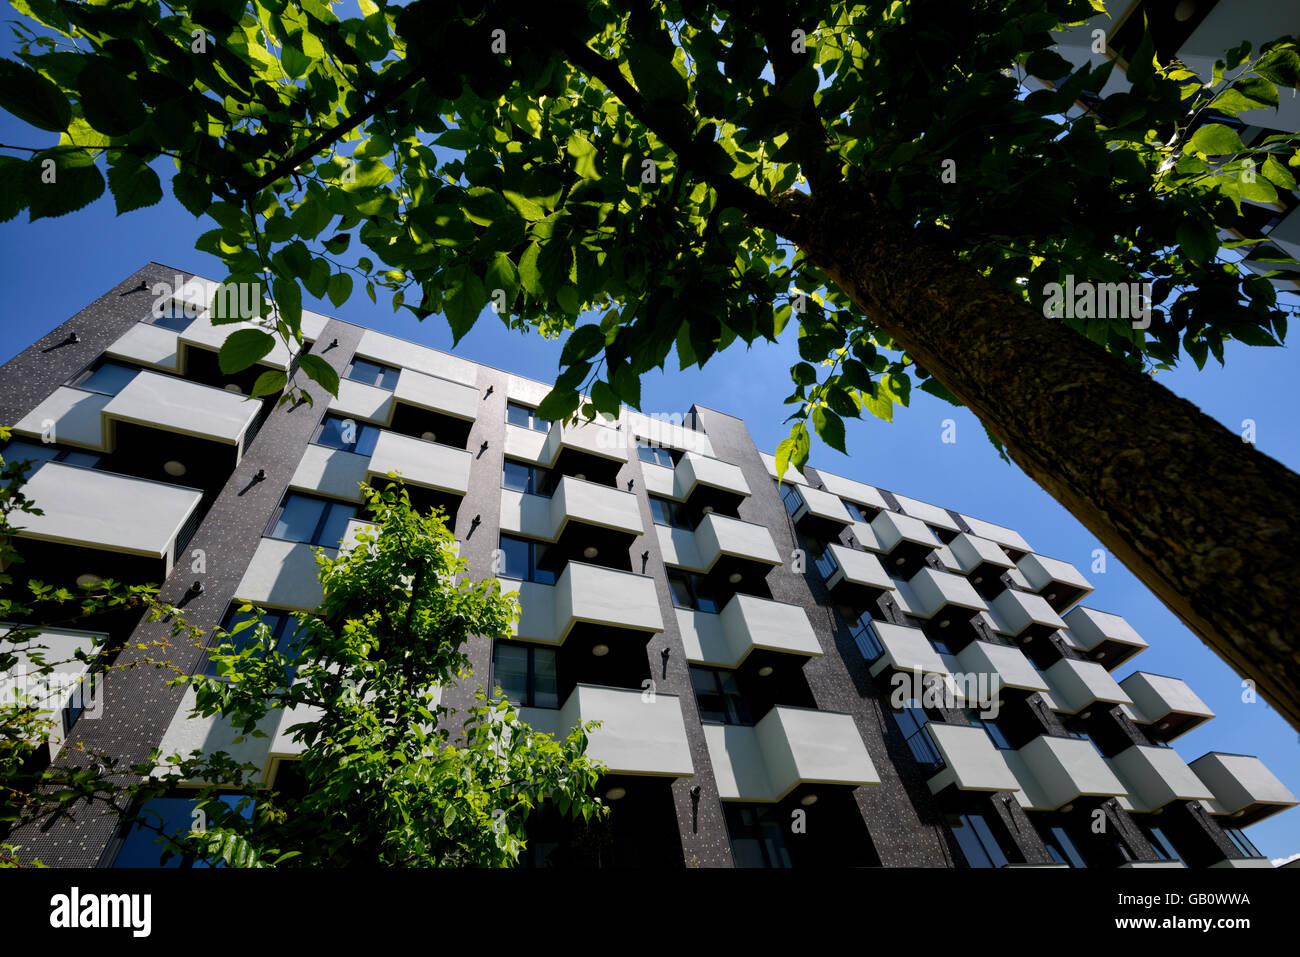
x=172, y=315
x=1160, y=842
x=995, y=733
x=857, y=511
x=691, y=591
x=718, y=696
x=865, y=637
x=791, y=497
x=144, y=847
x=314, y=521
x=912, y=722
x=1062, y=848
x=523, y=558
x=526, y=674
x=527, y=478
x=372, y=373
x=108, y=378
x=978, y=841
x=825, y=562
x=757, y=836
x=525, y=417
x=340, y=432
x=655, y=455
x=1242, y=842
x=283, y=631
x=667, y=512
x=38, y=453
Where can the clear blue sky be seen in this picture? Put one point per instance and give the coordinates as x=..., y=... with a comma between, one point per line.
x=52, y=268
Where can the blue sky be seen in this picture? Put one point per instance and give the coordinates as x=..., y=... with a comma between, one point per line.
x=52, y=268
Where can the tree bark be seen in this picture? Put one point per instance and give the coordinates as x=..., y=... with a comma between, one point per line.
x=1207, y=522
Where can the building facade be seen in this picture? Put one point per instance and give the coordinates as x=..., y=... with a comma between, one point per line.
x=799, y=673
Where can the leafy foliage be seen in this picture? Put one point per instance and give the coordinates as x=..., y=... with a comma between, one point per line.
x=630, y=161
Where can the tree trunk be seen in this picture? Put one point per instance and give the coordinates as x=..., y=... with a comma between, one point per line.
x=1207, y=522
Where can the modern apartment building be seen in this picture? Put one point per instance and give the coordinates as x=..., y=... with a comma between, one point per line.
x=809, y=672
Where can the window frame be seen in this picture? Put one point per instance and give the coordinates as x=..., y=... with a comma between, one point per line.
x=735, y=711
x=383, y=370
x=534, y=423
x=540, y=480
x=176, y=305
x=691, y=582
x=363, y=429
x=321, y=522
x=674, y=509
x=651, y=455
x=283, y=631
x=85, y=375
x=530, y=675
x=533, y=570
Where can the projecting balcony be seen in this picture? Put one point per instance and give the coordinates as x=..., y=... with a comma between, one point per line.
x=1166, y=704
x=586, y=594
x=1077, y=686
x=590, y=450
x=284, y=574
x=1106, y=638
x=737, y=555
x=982, y=561
x=948, y=601
x=1057, y=581
x=905, y=542
x=334, y=473
x=61, y=696
x=852, y=577
x=746, y=624
x=1244, y=790
x=786, y=748
x=429, y=465
x=1155, y=776
x=1006, y=667
x=707, y=483
x=639, y=733
x=887, y=645
x=819, y=514
x=1054, y=772
x=436, y=395
x=969, y=761
x=1025, y=616
x=585, y=520
x=104, y=525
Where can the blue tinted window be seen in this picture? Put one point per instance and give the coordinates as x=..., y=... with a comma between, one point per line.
x=109, y=378
x=145, y=847
x=314, y=521
x=655, y=455
x=282, y=628
x=525, y=417
x=372, y=373
x=523, y=559
x=172, y=315
x=339, y=432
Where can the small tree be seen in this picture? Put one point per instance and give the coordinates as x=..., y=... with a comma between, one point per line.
x=386, y=780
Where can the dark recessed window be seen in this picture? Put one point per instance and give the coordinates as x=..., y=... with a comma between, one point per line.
x=941, y=647
x=718, y=696
x=532, y=479
x=858, y=512
x=106, y=378
x=523, y=558
x=1242, y=842
x=691, y=591
x=791, y=497
x=143, y=846
x=176, y=316
x=655, y=455
x=38, y=453
x=373, y=373
x=315, y=521
x=867, y=640
x=980, y=841
x=1160, y=842
x=83, y=693
x=912, y=721
x=667, y=512
x=757, y=836
x=526, y=675
x=283, y=632
x=995, y=733
x=525, y=417
x=1061, y=847
x=340, y=432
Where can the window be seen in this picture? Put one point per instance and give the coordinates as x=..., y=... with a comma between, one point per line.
x=757, y=836
x=372, y=373
x=1062, y=848
x=825, y=562
x=655, y=455
x=532, y=479
x=1074, y=728
x=525, y=417
x=1159, y=842
x=1242, y=842
x=979, y=841
x=718, y=696
x=107, y=378
x=83, y=693
x=912, y=722
x=995, y=733
x=173, y=315
x=38, y=453
x=858, y=512
x=315, y=521
x=143, y=846
x=791, y=497
x=941, y=647
x=338, y=432
x=691, y=591
x=867, y=641
x=522, y=558
x=282, y=627
x=526, y=675
x=667, y=512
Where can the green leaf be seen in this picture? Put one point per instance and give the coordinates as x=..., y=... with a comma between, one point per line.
x=1215, y=139
x=13, y=187
x=64, y=184
x=110, y=102
x=288, y=299
x=830, y=428
x=270, y=382
x=340, y=288
x=242, y=348
x=655, y=75
x=134, y=185
x=938, y=389
x=191, y=192
x=530, y=275
x=558, y=404
x=32, y=98
x=583, y=343
x=502, y=275
x=318, y=370
x=603, y=397
x=1198, y=240
x=1277, y=174
x=463, y=302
